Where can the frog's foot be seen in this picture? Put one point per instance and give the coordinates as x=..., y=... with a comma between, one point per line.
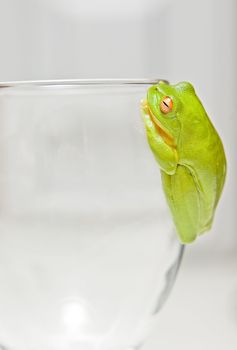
x=151, y=122
x=144, y=108
x=205, y=228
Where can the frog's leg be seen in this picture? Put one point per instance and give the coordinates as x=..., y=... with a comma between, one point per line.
x=183, y=199
x=207, y=217
x=165, y=155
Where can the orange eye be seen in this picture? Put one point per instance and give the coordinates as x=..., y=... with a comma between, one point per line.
x=166, y=105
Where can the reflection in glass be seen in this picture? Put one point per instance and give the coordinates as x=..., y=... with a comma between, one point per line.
x=88, y=253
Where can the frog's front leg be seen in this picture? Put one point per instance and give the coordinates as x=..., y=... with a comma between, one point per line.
x=165, y=155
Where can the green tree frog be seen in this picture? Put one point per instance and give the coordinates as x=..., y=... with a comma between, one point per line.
x=189, y=153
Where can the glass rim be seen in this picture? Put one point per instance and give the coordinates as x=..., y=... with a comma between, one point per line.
x=80, y=82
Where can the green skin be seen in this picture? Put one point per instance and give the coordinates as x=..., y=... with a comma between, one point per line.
x=190, y=155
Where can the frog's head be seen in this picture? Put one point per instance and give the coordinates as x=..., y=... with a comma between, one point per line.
x=166, y=105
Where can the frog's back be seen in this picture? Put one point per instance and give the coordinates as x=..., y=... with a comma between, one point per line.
x=194, y=190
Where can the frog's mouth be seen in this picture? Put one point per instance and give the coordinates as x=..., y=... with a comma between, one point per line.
x=160, y=128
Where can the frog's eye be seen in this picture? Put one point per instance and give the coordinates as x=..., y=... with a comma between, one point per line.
x=166, y=105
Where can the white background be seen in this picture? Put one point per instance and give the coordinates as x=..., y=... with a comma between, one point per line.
x=176, y=40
